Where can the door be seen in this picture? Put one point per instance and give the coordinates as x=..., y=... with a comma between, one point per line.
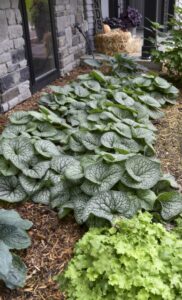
x=41, y=46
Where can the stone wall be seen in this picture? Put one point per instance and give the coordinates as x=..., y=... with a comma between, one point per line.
x=71, y=44
x=14, y=73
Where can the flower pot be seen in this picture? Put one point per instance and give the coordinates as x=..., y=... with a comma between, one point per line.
x=132, y=30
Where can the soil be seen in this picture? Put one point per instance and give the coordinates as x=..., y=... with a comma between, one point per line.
x=53, y=240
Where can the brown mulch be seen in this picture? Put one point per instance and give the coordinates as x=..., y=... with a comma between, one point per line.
x=52, y=246
x=169, y=140
x=53, y=240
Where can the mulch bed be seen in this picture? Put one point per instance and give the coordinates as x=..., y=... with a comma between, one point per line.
x=169, y=140
x=53, y=240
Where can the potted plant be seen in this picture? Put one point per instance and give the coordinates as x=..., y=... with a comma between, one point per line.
x=130, y=19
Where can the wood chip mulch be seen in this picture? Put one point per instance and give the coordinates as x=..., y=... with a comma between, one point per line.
x=52, y=246
x=53, y=240
x=169, y=140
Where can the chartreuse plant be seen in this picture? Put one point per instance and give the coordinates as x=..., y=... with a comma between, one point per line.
x=135, y=259
x=13, y=236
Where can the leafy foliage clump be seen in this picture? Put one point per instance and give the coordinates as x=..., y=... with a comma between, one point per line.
x=135, y=259
x=13, y=236
x=89, y=148
x=169, y=49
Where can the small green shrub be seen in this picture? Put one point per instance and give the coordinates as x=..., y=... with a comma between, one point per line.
x=136, y=259
x=170, y=54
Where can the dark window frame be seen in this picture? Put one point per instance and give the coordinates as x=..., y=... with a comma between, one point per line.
x=113, y=8
x=42, y=81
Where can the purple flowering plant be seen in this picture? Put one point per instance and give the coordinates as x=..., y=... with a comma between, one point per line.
x=131, y=17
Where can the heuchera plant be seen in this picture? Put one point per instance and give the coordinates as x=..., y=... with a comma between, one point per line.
x=145, y=262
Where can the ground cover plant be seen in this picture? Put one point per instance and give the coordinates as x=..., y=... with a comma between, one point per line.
x=144, y=263
x=89, y=148
x=13, y=236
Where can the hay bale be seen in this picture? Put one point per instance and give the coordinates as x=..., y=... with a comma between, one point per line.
x=114, y=42
x=134, y=45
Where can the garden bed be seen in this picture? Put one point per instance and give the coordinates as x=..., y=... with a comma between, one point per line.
x=53, y=240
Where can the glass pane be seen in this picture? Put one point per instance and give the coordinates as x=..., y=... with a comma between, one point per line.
x=39, y=23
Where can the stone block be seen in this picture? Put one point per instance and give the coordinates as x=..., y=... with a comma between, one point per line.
x=12, y=103
x=10, y=94
x=23, y=63
x=18, y=55
x=15, y=31
x=66, y=69
x=5, y=4
x=68, y=35
x=24, y=90
x=5, y=57
x=79, y=18
x=6, y=45
x=4, y=107
x=75, y=40
x=61, y=23
x=24, y=74
x=18, y=16
x=12, y=67
x=10, y=14
x=72, y=19
x=3, y=70
x=67, y=60
x=63, y=52
x=4, y=26
x=16, y=77
x=59, y=8
x=62, y=41
x=19, y=43
x=6, y=83
x=14, y=3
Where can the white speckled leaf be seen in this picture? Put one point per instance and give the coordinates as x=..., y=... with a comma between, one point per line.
x=20, y=117
x=103, y=174
x=17, y=273
x=46, y=148
x=110, y=205
x=18, y=150
x=171, y=203
x=7, y=168
x=142, y=173
x=11, y=190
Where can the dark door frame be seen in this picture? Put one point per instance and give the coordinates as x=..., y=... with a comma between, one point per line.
x=113, y=8
x=37, y=84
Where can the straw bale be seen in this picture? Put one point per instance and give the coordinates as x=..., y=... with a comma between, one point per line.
x=116, y=41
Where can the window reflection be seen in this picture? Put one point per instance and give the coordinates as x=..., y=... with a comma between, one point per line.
x=39, y=23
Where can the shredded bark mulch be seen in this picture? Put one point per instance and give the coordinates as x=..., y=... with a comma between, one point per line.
x=53, y=240
x=169, y=140
x=52, y=246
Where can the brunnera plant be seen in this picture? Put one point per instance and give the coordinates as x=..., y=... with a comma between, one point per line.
x=13, y=236
x=89, y=148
